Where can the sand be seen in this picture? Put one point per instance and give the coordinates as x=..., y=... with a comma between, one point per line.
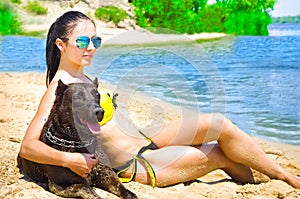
x=19, y=97
x=20, y=94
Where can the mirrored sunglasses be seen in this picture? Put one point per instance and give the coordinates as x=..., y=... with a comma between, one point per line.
x=83, y=41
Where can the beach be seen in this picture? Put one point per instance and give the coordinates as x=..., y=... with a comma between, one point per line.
x=19, y=97
x=20, y=94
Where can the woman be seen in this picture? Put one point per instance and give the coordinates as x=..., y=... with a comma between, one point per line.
x=177, y=151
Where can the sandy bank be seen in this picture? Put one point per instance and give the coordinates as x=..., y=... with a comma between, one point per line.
x=19, y=97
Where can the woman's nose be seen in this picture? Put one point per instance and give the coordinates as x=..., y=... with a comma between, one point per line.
x=91, y=46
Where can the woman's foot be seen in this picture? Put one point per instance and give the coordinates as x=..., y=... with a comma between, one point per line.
x=292, y=180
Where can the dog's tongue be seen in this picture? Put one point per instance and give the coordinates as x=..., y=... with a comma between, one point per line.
x=94, y=128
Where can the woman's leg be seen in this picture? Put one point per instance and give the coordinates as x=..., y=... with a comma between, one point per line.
x=176, y=164
x=239, y=147
x=236, y=145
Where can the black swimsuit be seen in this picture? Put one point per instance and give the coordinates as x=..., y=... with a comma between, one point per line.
x=133, y=161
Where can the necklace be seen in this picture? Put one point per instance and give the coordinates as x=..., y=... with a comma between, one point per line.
x=67, y=143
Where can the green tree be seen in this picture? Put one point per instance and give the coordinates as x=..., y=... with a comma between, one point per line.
x=248, y=17
x=286, y=19
x=178, y=15
x=9, y=24
x=243, y=17
x=213, y=17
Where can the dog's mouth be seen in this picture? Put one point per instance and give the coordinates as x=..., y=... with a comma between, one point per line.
x=93, y=127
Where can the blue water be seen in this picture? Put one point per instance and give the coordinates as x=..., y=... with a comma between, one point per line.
x=253, y=80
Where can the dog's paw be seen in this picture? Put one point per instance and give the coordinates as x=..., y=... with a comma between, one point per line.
x=127, y=194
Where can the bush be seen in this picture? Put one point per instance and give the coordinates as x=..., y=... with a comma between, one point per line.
x=16, y=1
x=9, y=24
x=213, y=18
x=110, y=13
x=248, y=18
x=193, y=16
x=179, y=15
x=248, y=23
x=35, y=7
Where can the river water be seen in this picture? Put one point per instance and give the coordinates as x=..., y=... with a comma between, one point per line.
x=254, y=80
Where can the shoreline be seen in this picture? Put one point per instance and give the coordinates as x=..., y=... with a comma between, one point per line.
x=117, y=36
x=148, y=99
x=20, y=93
x=145, y=37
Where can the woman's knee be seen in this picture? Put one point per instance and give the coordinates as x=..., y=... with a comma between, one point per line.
x=215, y=155
x=224, y=126
x=216, y=125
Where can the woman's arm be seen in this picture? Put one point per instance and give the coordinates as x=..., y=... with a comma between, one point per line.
x=35, y=150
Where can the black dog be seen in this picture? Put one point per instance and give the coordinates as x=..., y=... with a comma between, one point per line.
x=71, y=127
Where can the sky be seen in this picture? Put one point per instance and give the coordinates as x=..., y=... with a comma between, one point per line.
x=286, y=8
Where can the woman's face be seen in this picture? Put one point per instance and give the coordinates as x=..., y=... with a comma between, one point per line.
x=80, y=56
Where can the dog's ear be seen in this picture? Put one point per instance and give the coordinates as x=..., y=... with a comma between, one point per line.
x=61, y=87
x=114, y=100
x=95, y=82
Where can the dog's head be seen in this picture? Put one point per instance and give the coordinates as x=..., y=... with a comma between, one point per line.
x=80, y=105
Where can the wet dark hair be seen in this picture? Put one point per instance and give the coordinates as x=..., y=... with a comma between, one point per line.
x=61, y=28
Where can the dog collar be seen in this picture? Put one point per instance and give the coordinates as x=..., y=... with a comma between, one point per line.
x=67, y=143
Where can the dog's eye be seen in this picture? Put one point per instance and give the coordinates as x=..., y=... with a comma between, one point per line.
x=95, y=93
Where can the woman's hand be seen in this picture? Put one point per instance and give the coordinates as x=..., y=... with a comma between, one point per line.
x=81, y=163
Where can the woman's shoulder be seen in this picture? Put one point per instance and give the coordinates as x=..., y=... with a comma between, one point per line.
x=49, y=95
x=65, y=79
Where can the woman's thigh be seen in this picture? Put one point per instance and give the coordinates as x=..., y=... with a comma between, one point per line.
x=187, y=131
x=175, y=164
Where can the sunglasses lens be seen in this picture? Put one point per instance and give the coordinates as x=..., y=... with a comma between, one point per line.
x=97, y=42
x=82, y=42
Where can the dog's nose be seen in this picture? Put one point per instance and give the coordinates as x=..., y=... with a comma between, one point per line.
x=99, y=112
